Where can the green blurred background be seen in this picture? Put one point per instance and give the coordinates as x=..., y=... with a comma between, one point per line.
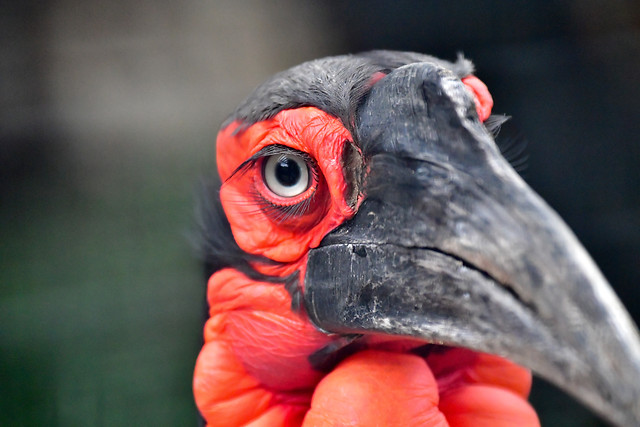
x=108, y=116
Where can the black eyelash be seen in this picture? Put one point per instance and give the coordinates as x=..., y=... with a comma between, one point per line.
x=278, y=212
x=272, y=150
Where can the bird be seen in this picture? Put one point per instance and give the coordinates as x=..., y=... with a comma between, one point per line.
x=373, y=260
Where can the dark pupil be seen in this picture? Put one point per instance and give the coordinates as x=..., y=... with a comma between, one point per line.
x=287, y=172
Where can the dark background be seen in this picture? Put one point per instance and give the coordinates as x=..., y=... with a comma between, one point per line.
x=108, y=116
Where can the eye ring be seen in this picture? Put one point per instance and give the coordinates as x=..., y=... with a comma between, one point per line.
x=286, y=175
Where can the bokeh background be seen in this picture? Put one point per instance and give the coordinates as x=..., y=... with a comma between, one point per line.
x=108, y=117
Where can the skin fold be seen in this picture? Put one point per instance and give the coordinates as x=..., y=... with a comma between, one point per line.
x=254, y=370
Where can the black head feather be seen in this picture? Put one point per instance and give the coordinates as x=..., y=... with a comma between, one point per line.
x=335, y=84
x=218, y=248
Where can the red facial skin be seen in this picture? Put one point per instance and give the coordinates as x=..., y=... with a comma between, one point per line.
x=305, y=129
x=254, y=368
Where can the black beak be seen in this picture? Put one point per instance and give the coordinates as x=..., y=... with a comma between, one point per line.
x=451, y=246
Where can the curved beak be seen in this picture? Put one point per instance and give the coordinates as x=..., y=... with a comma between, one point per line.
x=451, y=246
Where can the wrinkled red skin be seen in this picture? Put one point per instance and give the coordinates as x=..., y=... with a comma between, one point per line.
x=253, y=368
x=305, y=129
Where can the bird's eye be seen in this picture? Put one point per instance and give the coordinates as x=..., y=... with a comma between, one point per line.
x=287, y=175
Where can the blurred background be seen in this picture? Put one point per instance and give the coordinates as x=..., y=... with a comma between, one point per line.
x=108, y=117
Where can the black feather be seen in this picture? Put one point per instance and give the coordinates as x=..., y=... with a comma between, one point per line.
x=511, y=142
x=494, y=123
x=217, y=246
x=335, y=85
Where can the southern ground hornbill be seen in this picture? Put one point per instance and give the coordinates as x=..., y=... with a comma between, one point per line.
x=375, y=261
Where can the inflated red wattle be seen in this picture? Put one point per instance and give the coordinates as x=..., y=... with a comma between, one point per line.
x=254, y=370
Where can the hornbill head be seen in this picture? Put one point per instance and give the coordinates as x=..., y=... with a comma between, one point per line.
x=370, y=189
